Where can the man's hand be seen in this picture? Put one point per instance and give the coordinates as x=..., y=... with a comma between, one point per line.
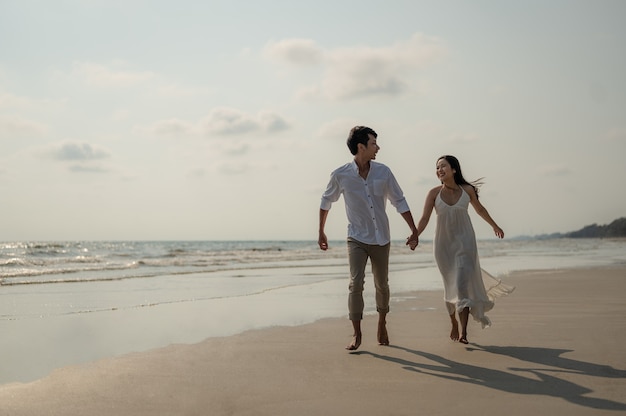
x=322, y=241
x=412, y=241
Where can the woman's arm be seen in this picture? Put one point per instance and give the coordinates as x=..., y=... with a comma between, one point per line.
x=429, y=205
x=482, y=211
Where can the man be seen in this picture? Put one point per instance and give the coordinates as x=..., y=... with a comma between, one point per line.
x=366, y=186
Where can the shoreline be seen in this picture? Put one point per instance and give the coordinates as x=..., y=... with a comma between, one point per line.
x=556, y=346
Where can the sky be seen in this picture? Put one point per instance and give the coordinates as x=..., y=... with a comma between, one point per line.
x=222, y=120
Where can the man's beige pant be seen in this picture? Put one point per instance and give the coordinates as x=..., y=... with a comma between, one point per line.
x=358, y=254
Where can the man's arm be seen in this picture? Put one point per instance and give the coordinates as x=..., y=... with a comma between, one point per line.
x=322, y=241
x=412, y=241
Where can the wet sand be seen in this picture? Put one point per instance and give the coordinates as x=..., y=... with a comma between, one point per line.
x=556, y=347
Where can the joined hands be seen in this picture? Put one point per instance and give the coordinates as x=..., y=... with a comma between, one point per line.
x=412, y=241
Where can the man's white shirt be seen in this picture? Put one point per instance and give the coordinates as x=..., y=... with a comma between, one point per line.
x=365, y=200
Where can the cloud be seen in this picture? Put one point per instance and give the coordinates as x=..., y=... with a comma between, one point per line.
x=99, y=75
x=361, y=71
x=230, y=121
x=301, y=52
x=367, y=71
x=220, y=121
x=75, y=151
x=16, y=102
x=272, y=122
x=172, y=127
x=336, y=129
x=20, y=127
x=13, y=101
x=227, y=121
x=235, y=149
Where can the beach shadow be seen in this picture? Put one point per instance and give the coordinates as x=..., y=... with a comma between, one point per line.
x=538, y=384
x=552, y=357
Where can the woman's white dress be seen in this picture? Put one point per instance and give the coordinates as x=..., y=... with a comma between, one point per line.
x=456, y=253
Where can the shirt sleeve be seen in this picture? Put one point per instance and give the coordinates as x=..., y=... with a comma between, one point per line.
x=332, y=193
x=396, y=196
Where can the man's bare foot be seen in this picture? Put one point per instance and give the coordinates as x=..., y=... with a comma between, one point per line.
x=355, y=344
x=463, y=340
x=454, y=334
x=383, y=336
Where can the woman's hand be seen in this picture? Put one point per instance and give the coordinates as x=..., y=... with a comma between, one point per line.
x=412, y=241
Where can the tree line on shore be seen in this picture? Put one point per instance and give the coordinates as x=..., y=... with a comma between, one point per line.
x=615, y=229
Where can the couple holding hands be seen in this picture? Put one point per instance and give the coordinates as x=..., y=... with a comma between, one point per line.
x=366, y=186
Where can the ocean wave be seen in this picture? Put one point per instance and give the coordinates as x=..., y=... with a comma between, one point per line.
x=43, y=271
x=55, y=262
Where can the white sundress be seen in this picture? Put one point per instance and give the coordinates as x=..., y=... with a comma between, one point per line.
x=456, y=253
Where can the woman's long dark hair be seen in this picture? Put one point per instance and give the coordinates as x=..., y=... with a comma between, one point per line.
x=458, y=175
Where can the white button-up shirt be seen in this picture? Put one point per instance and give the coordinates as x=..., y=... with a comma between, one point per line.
x=365, y=200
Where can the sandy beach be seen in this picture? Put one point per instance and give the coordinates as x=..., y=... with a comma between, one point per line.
x=556, y=347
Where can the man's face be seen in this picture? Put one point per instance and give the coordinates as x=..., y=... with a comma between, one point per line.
x=372, y=147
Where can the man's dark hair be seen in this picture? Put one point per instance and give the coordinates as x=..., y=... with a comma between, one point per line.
x=359, y=134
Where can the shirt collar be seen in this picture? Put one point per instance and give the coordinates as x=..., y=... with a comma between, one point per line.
x=355, y=167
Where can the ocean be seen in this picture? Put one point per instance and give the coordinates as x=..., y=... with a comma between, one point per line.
x=64, y=303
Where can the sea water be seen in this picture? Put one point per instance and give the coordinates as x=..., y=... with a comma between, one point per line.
x=64, y=303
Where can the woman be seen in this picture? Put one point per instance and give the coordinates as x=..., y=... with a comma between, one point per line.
x=455, y=247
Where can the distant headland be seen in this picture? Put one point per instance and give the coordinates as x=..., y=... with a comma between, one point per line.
x=616, y=229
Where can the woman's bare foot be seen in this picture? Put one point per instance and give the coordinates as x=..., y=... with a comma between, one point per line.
x=355, y=344
x=463, y=339
x=454, y=334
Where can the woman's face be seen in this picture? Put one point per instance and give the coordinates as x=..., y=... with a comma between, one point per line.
x=444, y=170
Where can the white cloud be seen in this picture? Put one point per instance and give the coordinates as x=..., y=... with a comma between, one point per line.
x=229, y=121
x=302, y=52
x=76, y=151
x=15, y=126
x=336, y=129
x=221, y=121
x=366, y=71
x=172, y=127
x=235, y=149
x=99, y=75
x=15, y=102
x=272, y=122
x=354, y=72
